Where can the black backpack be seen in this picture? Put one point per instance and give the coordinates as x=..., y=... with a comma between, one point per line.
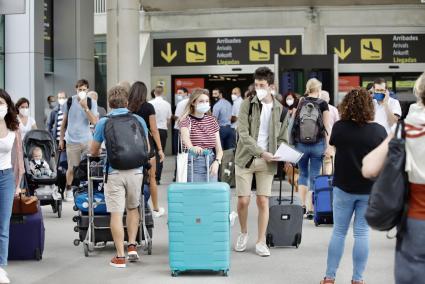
x=308, y=124
x=125, y=140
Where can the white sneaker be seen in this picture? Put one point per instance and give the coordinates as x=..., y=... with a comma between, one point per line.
x=261, y=249
x=241, y=242
x=3, y=277
x=69, y=196
x=159, y=213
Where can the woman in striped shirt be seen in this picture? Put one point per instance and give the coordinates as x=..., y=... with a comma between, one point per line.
x=200, y=134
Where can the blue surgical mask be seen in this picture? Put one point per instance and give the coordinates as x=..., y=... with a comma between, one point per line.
x=202, y=107
x=378, y=96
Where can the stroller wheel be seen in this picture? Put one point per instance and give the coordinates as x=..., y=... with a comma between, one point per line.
x=59, y=208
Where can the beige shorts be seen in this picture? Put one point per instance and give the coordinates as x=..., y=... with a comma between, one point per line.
x=123, y=190
x=263, y=178
x=74, y=153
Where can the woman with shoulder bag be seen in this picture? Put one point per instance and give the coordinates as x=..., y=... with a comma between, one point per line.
x=11, y=171
x=410, y=250
x=200, y=135
x=138, y=104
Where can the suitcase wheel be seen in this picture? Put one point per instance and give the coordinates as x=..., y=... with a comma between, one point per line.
x=75, y=219
x=38, y=255
x=75, y=208
x=316, y=224
x=76, y=229
x=225, y=273
x=297, y=240
x=269, y=240
x=174, y=273
x=76, y=242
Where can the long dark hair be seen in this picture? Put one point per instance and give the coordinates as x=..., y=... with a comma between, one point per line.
x=11, y=117
x=137, y=96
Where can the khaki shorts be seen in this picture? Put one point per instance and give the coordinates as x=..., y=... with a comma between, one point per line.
x=123, y=190
x=74, y=153
x=263, y=178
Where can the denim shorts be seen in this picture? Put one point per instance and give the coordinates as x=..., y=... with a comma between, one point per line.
x=311, y=162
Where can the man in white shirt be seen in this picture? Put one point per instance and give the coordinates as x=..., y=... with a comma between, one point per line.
x=387, y=109
x=163, y=117
x=237, y=101
x=181, y=98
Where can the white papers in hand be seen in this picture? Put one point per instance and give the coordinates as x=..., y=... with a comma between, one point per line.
x=288, y=154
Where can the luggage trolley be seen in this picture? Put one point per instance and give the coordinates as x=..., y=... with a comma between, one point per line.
x=95, y=173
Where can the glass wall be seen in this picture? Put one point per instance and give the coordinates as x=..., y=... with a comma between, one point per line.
x=2, y=51
x=100, y=68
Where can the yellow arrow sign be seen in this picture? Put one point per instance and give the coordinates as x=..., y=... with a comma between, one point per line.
x=287, y=50
x=342, y=52
x=169, y=56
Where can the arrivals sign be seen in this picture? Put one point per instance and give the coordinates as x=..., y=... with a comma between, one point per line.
x=383, y=48
x=223, y=50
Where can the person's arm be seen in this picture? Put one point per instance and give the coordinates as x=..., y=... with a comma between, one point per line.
x=91, y=114
x=391, y=111
x=327, y=122
x=34, y=125
x=51, y=121
x=170, y=114
x=245, y=138
x=283, y=132
x=98, y=138
x=95, y=148
x=18, y=161
x=62, y=131
x=373, y=162
x=156, y=137
x=219, y=155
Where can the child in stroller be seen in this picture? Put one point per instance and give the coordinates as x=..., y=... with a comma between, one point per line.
x=40, y=168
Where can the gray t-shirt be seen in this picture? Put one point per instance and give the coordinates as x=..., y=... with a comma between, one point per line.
x=78, y=129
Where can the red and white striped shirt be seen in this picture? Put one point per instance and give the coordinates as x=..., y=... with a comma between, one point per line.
x=202, y=130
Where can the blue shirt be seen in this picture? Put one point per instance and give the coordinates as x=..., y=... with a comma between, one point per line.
x=78, y=129
x=99, y=136
x=222, y=110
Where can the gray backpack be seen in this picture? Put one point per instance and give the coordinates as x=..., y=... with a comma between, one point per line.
x=308, y=125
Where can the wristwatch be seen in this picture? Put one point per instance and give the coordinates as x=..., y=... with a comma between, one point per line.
x=218, y=161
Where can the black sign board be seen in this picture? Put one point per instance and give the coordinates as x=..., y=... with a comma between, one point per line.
x=48, y=35
x=383, y=48
x=223, y=50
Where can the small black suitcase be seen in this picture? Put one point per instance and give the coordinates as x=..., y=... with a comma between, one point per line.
x=285, y=220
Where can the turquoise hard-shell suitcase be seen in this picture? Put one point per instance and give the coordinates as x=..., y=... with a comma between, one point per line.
x=199, y=227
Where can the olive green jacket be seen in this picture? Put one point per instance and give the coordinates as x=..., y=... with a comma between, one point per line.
x=248, y=129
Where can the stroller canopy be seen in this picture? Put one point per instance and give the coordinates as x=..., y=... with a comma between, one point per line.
x=42, y=139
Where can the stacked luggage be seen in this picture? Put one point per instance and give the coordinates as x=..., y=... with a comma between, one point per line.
x=92, y=220
x=199, y=227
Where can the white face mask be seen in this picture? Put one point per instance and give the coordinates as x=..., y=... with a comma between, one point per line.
x=3, y=111
x=273, y=92
x=24, y=111
x=234, y=97
x=179, y=98
x=290, y=102
x=62, y=101
x=203, y=107
x=261, y=93
x=82, y=95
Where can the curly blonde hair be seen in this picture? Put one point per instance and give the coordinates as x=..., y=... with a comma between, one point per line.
x=357, y=106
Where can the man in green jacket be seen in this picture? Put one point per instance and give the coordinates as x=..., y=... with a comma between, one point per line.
x=261, y=130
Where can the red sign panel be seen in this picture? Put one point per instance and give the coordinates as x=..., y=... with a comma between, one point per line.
x=188, y=83
x=346, y=83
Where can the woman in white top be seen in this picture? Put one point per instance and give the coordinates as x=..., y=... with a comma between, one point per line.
x=26, y=123
x=11, y=171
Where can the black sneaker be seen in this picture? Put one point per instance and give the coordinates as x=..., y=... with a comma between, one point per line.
x=310, y=215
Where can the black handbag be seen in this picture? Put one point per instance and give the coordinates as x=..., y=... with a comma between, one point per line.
x=388, y=199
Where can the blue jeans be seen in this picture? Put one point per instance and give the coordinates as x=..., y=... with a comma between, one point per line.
x=200, y=170
x=410, y=254
x=311, y=162
x=227, y=137
x=7, y=191
x=345, y=204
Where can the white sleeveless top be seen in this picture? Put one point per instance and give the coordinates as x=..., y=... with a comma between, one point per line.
x=26, y=128
x=6, y=145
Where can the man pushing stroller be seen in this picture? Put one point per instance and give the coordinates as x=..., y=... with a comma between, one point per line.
x=127, y=151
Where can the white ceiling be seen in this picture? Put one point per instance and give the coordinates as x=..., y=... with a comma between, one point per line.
x=183, y=5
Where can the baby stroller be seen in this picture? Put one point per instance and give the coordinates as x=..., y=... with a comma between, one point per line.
x=44, y=187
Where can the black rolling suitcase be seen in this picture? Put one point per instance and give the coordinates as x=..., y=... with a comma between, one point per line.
x=285, y=220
